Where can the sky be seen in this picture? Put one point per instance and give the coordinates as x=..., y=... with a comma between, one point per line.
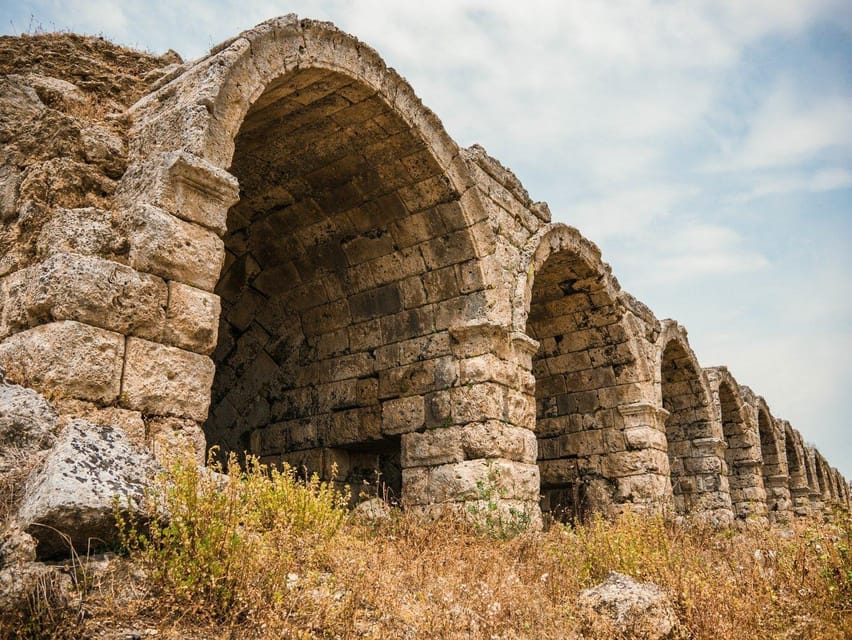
x=706, y=147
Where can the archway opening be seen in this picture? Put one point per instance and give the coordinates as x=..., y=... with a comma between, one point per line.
x=772, y=470
x=823, y=477
x=327, y=315
x=743, y=480
x=695, y=469
x=583, y=357
x=797, y=477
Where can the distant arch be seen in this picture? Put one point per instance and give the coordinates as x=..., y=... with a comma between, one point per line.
x=742, y=445
x=588, y=373
x=798, y=483
x=695, y=439
x=352, y=247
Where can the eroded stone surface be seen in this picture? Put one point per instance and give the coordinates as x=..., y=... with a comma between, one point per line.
x=67, y=359
x=27, y=421
x=638, y=609
x=164, y=380
x=73, y=494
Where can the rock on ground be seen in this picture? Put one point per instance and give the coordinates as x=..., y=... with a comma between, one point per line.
x=71, y=497
x=27, y=421
x=641, y=610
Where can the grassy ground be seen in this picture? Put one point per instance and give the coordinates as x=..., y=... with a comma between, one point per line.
x=261, y=557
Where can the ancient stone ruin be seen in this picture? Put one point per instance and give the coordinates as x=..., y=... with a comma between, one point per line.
x=283, y=252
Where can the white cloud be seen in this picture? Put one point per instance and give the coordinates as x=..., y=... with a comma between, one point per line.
x=820, y=181
x=789, y=129
x=694, y=251
x=624, y=213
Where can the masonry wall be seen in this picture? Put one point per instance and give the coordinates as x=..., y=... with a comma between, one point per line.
x=299, y=263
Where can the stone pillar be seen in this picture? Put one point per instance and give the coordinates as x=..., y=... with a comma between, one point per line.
x=778, y=497
x=711, y=496
x=648, y=486
x=477, y=454
x=814, y=496
x=124, y=337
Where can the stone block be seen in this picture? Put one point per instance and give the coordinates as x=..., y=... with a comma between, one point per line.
x=418, y=378
x=353, y=426
x=86, y=231
x=172, y=248
x=130, y=422
x=433, y=447
x=27, y=423
x=164, y=380
x=470, y=480
x=488, y=368
x=192, y=318
x=478, y=402
x=74, y=491
x=627, y=463
x=556, y=473
x=195, y=190
x=87, y=289
x=495, y=439
x=644, y=437
x=646, y=487
x=66, y=358
x=403, y=415
x=176, y=438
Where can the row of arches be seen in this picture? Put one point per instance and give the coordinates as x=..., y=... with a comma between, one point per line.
x=727, y=456
x=390, y=312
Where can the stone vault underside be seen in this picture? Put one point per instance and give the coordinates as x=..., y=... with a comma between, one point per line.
x=299, y=263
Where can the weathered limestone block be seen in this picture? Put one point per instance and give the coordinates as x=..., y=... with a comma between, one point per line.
x=474, y=403
x=192, y=318
x=403, y=415
x=164, y=380
x=176, y=438
x=646, y=488
x=87, y=289
x=73, y=493
x=433, y=447
x=66, y=358
x=637, y=609
x=470, y=480
x=27, y=421
x=130, y=422
x=349, y=427
x=171, y=248
x=85, y=231
x=186, y=186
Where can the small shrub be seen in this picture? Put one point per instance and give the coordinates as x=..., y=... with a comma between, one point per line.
x=228, y=539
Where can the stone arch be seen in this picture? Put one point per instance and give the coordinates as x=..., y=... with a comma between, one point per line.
x=742, y=440
x=815, y=495
x=821, y=477
x=774, y=468
x=695, y=440
x=797, y=476
x=351, y=252
x=837, y=477
x=599, y=441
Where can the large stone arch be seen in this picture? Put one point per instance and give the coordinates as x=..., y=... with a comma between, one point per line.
x=696, y=445
x=794, y=449
x=349, y=278
x=600, y=438
x=742, y=444
x=815, y=494
x=774, y=461
x=822, y=477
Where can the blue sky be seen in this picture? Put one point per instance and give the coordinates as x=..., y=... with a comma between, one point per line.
x=705, y=146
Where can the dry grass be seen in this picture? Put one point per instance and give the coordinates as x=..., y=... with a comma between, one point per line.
x=260, y=558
